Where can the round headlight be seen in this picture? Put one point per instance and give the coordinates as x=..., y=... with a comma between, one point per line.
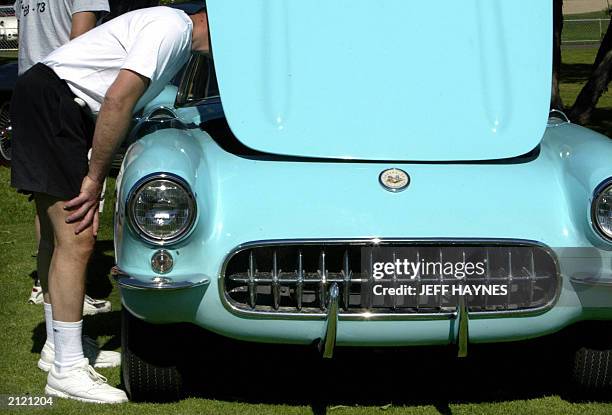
x=162, y=209
x=602, y=211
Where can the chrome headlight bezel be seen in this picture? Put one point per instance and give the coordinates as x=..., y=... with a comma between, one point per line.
x=131, y=203
x=600, y=190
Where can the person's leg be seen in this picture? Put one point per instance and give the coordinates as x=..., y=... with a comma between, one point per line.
x=69, y=261
x=71, y=375
x=36, y=293
x=90, y=349
x=37, y=228
x=66, y=279
x=48, y=251
x=44, y=239
x=48, y=160
x=46, y=243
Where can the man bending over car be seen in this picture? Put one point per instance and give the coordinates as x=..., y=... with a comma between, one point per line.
x=43, y=27
x=111, y=71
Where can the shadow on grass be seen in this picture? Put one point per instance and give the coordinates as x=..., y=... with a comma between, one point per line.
x=222, y=369
x=573, y=73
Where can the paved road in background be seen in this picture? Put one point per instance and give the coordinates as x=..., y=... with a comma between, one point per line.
x=584, y=6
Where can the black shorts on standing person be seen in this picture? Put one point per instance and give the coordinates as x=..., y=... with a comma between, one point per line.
x=52, y=135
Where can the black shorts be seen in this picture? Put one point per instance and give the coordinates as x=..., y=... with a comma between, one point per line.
x=52, y=135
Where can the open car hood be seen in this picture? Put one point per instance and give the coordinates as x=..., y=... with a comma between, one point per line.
x=385, y=79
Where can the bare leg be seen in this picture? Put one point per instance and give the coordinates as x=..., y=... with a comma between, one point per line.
x=37, y=227
x=45, y=239
x=66, y=277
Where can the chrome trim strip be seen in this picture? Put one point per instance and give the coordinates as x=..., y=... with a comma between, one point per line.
x=169, y=110
x=347, y=280
x=129, y=205
x=592, y=281
x=367, y=316
x=299, y=286
x=160, y=283
x=323, y=280
x=275, y=282
x=556, y=124
x=328, y=339
x=147, y=117
x=252, y=287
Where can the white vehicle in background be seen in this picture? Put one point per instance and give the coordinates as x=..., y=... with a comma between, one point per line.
x=8, y=75
x=9, y=31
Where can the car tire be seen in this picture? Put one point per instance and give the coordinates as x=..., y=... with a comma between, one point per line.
x=5, y=132
x=592, y=371
x=149, y=361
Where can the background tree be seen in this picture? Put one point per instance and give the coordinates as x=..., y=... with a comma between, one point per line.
x=598, y=82
x=555, y=99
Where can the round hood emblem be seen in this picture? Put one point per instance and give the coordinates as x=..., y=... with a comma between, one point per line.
x=394, y=180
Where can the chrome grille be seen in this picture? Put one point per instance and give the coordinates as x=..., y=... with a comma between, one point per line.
x=294, y=277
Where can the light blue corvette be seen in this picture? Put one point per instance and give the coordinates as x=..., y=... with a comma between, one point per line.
x=254, y=205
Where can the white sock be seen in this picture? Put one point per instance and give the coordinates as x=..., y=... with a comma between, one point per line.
x=49, y=323
x=68, y=344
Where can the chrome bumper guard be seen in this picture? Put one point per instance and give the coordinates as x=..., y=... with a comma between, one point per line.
x=327, y=342
x=130, y=282
x=463, y=332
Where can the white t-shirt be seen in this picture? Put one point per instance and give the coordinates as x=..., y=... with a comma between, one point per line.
x=45, y=26
x=154, y=42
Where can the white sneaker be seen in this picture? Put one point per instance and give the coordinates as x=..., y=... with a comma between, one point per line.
x=92, y=306
x=36, y=296
x=82, y=383
x=96, y=357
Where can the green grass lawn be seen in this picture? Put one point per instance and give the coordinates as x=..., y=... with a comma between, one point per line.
x=576, y=31
x=23, y=331
x=580, y=32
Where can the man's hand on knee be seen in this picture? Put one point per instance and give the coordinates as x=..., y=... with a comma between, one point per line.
x=85, y=206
